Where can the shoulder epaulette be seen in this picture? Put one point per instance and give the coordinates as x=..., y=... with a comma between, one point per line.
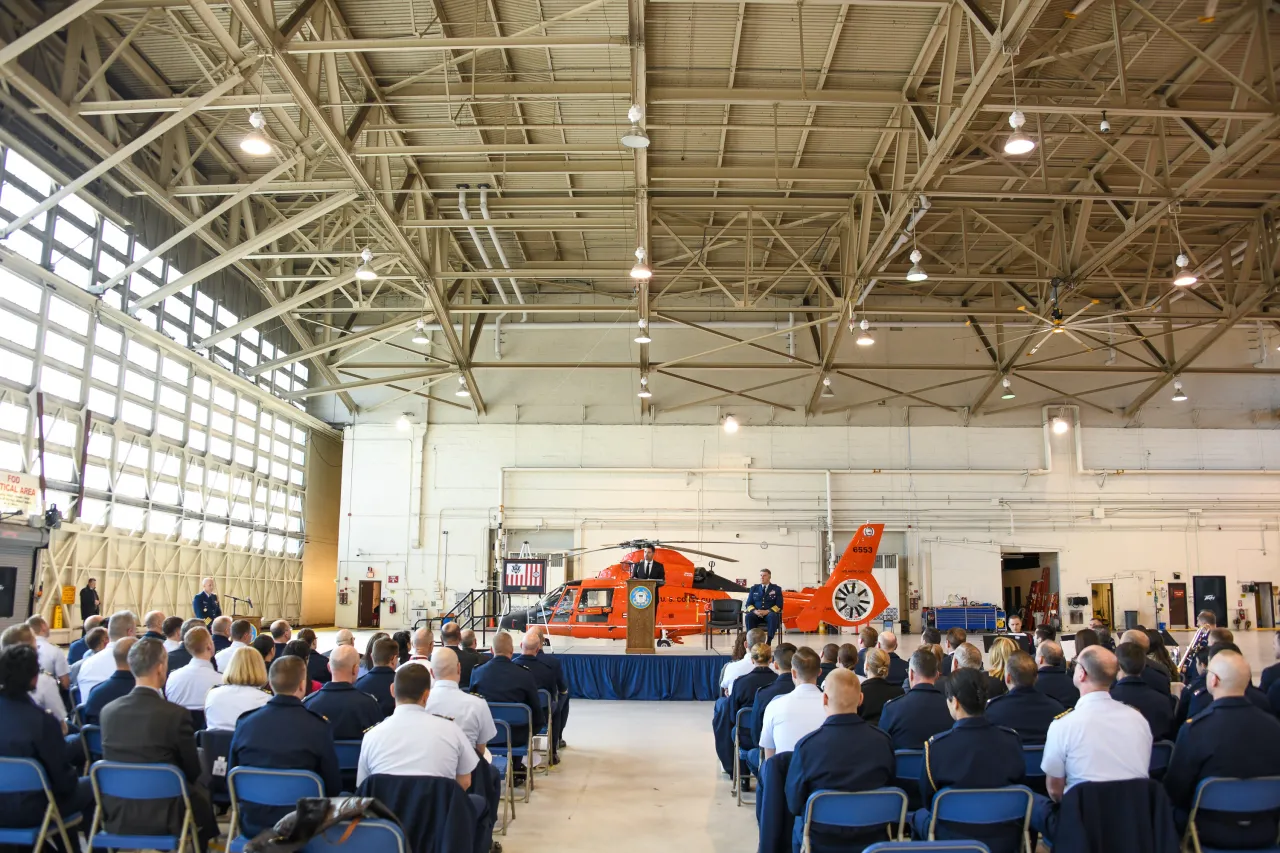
x=444, y=717
x=371, y=728
x=1064, y=713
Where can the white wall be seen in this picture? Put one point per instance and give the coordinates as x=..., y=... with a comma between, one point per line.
x=605, y=484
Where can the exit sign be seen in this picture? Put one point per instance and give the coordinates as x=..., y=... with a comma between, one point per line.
x=393, y=579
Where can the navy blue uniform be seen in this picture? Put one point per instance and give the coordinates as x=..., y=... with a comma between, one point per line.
x=318, y=668
x=824, y=670
x=995, y=686
x=875, y=693
x=846, y=753
x=743, y=695
x=898, y=669
x=378, y=683
x=1025, y=710
x=1157, y=678
x=1269, y=675
x=77, y=650
x=913, y=718
x=220, y=642
x=27, y=731
x=859, y=668
x=1147, y=701
x=762, y=597
x=544, y=676
x=1196, y=697
x=973, y=753
x=504, y=680
x=1054, y=681
x=283, y=735
x=781, y=686
x=350, y=712
x=561, y=693
x=1233, y=738
x=206, y=606
x=119, y=683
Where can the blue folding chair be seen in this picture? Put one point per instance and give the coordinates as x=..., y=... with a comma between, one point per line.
x=739, y=753
x=1239, y=796
x=77, y=714
x=367, y=836
x=907, y=765
x=140, y=782
x=1033, y=755
x=348, y=754
x=984, y=806
x=924, y=846
x=27, y=776
x=500, y=762
x=91, y=740
x=860, y=810
x=545, y=698
x=514, y=714
x=263, y=786
x=1161, y=753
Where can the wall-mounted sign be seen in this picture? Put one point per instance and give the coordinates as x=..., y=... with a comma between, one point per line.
x=370, y=573
x=524, y=576
x=393, y=579
x=19, y=492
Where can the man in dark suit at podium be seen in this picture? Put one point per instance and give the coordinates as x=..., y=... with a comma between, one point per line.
x=649, y=569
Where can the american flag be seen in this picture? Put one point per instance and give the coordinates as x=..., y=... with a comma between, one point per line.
x=524, y=575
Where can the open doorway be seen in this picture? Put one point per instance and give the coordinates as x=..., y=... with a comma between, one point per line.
x=1103, y=602
x=1030, y=584
x=369, y=611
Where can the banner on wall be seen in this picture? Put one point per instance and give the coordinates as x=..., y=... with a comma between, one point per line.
x=19, y=492
x=524, y=576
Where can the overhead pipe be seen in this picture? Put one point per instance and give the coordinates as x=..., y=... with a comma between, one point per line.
x=475, y=238
x=497, y=244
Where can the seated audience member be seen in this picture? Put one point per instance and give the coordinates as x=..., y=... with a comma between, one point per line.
x=1100, y=740
x=317, y=664
x=378, y=682
x=876, y=689
x=221, y=630
x=46, y=693
x=153, y=623
x=504, y=680
x=1053, y=679
x=243, y=689
x=1001, y=650
x=782, y=684
x=283, y=735
x=967, y=656
x=301, y=649
x=95, y=641
x=868, y=637
x=468, y=659
x=190, y=685
x=1158, y=655
x=344, y=637
x=53, y=660
x=120, y=683
x=1152, y=674
x=744, y=694
x=483, y=657
x=848, y=657
x=792, y=715
x=27, y=731
x=448, y=700
x=1019, y=636
x=1206, y=622
x=281, y=634
x=265, y=647
x=740, y=665
x=1085, y=638
x=830, y=660
x=1232, y=738
x=404, y=642
x=955, y=638
x=1105, y=639
x=1153, y=705
x=545, y=676
x=973, y=753
x=1272, y=673
x=913, y=718
x=79, y=647
x=562, y=686
x=180, y=657
x=721, y=720
x=422, y=645
x=144, y=728
x=1043, y=634
x=366, y=660
x=1024, y=709
x=350, y=712
x=888, y=643
x=1195, y=697
x=172, y=630
x=241, y=636
x=845, y=753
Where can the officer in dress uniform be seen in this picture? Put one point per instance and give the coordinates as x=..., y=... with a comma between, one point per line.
x=284, y=735
x=1024, y=709
x=743, y=695
x=378, y=681
x=973, y=753
x=349, y=711
x=764, y=605
x=544, y=677
x=1231, y=738
x=1053, y=679
x=921, y=712
x=1133, y=691
x=504, y=680
x=846, y=753
x=205, y=604
x=1196, y=696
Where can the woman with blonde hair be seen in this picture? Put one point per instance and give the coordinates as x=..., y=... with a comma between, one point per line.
x=1001, y=649
x=243, y=689
x=876, y=690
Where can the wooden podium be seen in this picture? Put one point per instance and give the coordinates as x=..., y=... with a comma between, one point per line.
x=642, y=611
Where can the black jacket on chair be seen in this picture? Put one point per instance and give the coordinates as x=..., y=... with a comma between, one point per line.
x=1116, y=817
x=435, y=812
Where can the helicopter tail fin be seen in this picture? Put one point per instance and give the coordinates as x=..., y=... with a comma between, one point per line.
x=851, y=596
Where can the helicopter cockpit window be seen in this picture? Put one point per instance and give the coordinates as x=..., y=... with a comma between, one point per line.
x=597, y=598
x=549, y=600
x=565, y=606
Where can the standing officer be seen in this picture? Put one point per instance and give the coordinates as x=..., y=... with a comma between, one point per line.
x=284, y=735
x=921, y=712
x=764, y=605
x=1024, y=709
x=973, y=753
x=349, y=711
x=90, y=601
x=205, y=604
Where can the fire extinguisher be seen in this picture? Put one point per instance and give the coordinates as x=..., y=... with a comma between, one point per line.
x=391, y=606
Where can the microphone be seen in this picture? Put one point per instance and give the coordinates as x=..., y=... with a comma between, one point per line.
x=249, y=601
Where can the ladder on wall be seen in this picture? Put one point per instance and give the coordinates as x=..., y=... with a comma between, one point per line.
x=1042, y=604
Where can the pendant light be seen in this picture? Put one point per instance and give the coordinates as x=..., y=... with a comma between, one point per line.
x=403, y=423
x=364, y=272
x=641, y=270
x=864, y=336
x=635, y=137
x=642, y=337
x=420, y=332
x=255, y=142
x=644, y=393
x=463, y=390
x=916, y=273
x=1008, y=389
x=826, y=387
x=1183, y=277
x=1179, y=396
x=1017, y=142
x=730, y=424
x=1060, y=425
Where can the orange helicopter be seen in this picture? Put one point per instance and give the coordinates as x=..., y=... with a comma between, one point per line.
x=596, y=607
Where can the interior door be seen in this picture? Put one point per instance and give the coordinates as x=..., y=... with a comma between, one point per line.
x=1178, y=605
x=1266, y=604
x=368, y=613
x=1209, y=592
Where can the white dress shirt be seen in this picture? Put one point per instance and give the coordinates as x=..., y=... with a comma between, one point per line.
x=413, y=742
x=793, y=715
x=224, y=657
x=172, y=645
x=46, y=695
x=224, y=704
x=471, y=713
x=52, y=659
x=1100, y=740
x=189, y=685
x=97, y=669
x=733, y=670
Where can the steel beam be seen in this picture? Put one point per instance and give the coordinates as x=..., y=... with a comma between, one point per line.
x=413, y=45
x=44, y=29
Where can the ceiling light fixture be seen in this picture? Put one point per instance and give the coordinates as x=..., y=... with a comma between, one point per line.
x=1060, y=425
x=1183, y=277
x=864, y=337
x=1104, y=126
x=403, y=423
x=463, y=390
x=916, y=273
x=644, y=394
x=635, y=137
x=826, y=387
x=642, y=337
x=641, y=269
x=1008, y=389
x=255, y=142
x=730, y=424
x=364, y=272
x=1179, y=396
x=1017, y=142
x=420, y=332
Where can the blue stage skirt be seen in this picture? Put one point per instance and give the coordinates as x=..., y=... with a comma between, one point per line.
x=656, y=677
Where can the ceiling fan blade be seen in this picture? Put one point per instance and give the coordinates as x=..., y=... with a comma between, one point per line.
x=1081, y=311
x=1071, y=335
x=1041, y=342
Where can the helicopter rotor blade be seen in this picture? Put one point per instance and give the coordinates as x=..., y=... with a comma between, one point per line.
x=763, y=545
x=685, y=550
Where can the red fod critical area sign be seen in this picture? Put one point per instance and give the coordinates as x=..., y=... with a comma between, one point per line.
x=524, y=576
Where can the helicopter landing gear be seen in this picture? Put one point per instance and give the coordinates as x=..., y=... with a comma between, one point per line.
x=664, y=640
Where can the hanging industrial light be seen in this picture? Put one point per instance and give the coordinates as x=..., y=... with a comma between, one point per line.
x=916, y=273
x=1017, y=142
x=864, y=336
x=644, y=394
x=641, y=269
x=1183, y=277
x=1060, y=425
x=403, y=423
x=642, y=337
x=364, y=272
x=1179, y=396
x=420, y=332
x=1008, y=389
x=1104, y=125
x=730, y=424
x=255, y=142
x=462, y=391
x=635, y=137
x=826, y=387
